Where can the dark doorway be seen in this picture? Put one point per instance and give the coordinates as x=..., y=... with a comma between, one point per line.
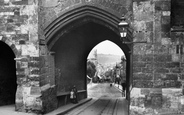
x=8, y=80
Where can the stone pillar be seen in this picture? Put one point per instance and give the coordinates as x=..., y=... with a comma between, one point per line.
x=19, y=29
x=156, y=81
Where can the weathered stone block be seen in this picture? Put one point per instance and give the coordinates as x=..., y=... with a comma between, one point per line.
x=16, y=11
x=156, y=101
x=139, y=36
x=149, y=26
x=163, y=58
x=171, y=77
x=19, y=99
x=9, y=27
x=49, y=3
x=142, y=83
x=147, y=70
x=143, y=49
x=139, y=64
x=161, y=70
x=1, y=2
x=142, y=76
x=172, y=83
x=34, y=78
x=35, y=71
x=49, y=100
x=138, y=58
x=33, y=58
x=143, y=10
x=147, y=58
x=22, y=42
x=181, y=76
x=158, y=76
x=158, y=83
x=162, y=5
x=18, y=20
x=165, y=35
x=176, y=70
x=35, y=91
x=137, y=69
x=165, y=19
x=44, y=81
x=165, y=28
x=33, y=64
x=21, y=2
x=172, y=64
x=159, y=65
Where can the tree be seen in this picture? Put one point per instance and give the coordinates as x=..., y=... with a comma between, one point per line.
x=91, y=69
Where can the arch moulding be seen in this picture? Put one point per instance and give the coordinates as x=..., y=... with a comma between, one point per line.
x=77, y=17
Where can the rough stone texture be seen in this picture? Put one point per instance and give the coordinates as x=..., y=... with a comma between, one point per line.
x=18, y=29
x=158, y=72
x=52, y=9
x=47, y=83
x=177, y=13
x=69, y=68
x=157, y=68
x=155, y=101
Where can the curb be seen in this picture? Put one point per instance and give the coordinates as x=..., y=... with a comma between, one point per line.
x=66, y=108
x=75, y=106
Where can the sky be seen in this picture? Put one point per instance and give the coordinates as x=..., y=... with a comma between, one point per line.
x=108, y=47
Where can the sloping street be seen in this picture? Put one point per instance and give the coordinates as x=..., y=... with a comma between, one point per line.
x=106, y=101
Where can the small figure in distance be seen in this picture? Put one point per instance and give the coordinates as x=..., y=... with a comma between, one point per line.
x=123, y=84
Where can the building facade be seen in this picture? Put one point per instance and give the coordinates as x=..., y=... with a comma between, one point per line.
x=50, y=37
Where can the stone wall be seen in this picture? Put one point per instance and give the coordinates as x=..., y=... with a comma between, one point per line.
x=19, y=29
x=177, y=18
x=47, y=82
x=51, y=14
x=157, y=68
x=53, y=9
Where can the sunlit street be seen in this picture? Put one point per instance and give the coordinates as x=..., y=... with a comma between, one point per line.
x=106, y=101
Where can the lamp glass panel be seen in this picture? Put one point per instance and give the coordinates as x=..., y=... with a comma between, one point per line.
x=123, y=34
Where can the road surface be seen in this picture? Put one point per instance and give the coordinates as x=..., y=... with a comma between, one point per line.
x=106, y=101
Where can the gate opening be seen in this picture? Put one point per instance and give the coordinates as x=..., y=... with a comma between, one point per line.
x=106, y=64
x=72, y=49
x=8, y=80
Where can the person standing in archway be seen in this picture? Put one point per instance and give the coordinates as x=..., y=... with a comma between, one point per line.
x=75, y=99
x=72, y=95
x=123, y=84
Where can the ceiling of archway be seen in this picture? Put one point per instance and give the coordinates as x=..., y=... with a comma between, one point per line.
x=86, y=36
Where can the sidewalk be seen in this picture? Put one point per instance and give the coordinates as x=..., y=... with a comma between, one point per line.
x=64, y=109
x=10, y=109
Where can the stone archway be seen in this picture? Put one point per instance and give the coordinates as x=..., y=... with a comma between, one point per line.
x=8, y=79
x=71, y=51
x=70, y=38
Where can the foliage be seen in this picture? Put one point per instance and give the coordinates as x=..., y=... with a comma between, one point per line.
x=91, y=69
